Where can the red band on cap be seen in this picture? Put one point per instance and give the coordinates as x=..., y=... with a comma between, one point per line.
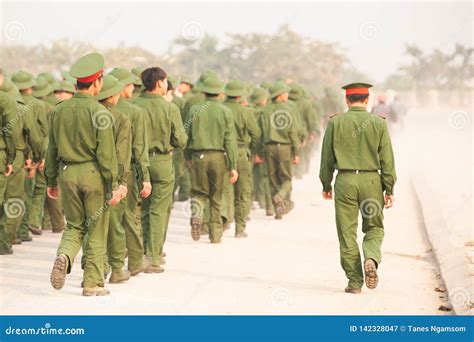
x=357, y=91
x=90, y=78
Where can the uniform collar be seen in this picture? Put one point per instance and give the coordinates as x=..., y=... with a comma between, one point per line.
x=82, y=95
x=357, y=109
x=151, y=96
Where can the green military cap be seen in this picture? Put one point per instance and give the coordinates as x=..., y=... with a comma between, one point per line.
x=212, y=85
x=68, y=77
x=265, y=85
x=48, y=77
x=7, y=84
x=66, y=86
x=88, y=68
x=259, y=94
x=278, y=88
x=186, y=79
x=23, y=80
x=204, y=75
x=125, y=76
x=235, y=88
x=357, y=88
x=55, y=85
x=42, y=87
x=137, y=71
x=111, y=87
x=296, y=91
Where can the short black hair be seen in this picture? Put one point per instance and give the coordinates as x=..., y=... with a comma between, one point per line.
x=152, y=75
x=353, y=98
x=211, y=95
x=233, y=97
x=170, y=86
x=85, y=85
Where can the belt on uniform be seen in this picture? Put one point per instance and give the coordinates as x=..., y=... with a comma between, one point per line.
x=356, y=171
x=159, y=153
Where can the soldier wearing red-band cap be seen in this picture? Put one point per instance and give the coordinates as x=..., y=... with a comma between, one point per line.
x=82, y=156
x=357, y=144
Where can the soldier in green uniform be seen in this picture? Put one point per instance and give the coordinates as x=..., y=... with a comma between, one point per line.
x=358, y=145
x=30, y=144
x=64, y=91
x=132, y=243
x=247, y=132
x=165, y=132
x=137, y=81
x=81, y=153
x=8, y=147
x=212, y=140
x=281, y=146
x=51, y=98
x=109, y=97
x=185, y=87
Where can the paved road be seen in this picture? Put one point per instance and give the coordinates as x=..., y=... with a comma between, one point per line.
x=284, y=267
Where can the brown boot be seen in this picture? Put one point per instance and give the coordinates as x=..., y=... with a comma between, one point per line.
x=269, y=212
x=119, y=277
x=241, y=235
x=279, y=206
x=95, y=291
x=58, y=273
x=58, y=230
x=137, y=270
x=162, y=261
x=196, y=224
x=154, y=269
x=16, y=241
x=371, y=278
x=35, y=230
x=352, y=290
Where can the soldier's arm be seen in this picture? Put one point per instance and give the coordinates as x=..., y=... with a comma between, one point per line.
x=140, y=146
x=123, y=147
x=294, y=136
x=387, y=161
x=188, y=124
x=254, y=130
x=51, y=170
x=179, y=138
x=10, y=135
x=328, y=158
x=300, y=129
x=107, y=158
x=35, y=138
x=230, y=141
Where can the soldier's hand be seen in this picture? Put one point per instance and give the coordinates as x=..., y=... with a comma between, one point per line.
x=258, y=160
x=53, y=192
x=31, y=173
x=27, y=163
x=146, y=191
x=190, y=163
x=123, y=191
x=296, y=160
x=234, y=175
x=9, y=170
x=389, y=200
x=41, y=165
x=116, y=197
x=327, y=195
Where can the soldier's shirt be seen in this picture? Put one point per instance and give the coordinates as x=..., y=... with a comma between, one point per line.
x=357, y=140
x=277, y=126
x=210, y=126
x=81, y=132
x=10, y=137
x=41, y=113
x=139, y=137
x=165, y=129
x=246, y=128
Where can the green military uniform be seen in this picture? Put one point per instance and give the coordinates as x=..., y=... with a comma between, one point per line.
x=281, y=146
x=138, y=170
x=116, y=240
x=211, y=132
x=8, y=145
x=137, y=81
x=81, y=153
x=247, y=132
x=165, y=131
x=358, y=145
x=50, y=98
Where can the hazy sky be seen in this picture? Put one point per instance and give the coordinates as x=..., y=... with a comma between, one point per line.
x=373, y=33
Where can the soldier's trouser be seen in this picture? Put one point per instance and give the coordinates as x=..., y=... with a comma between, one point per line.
x=207, y=179
x=353, y=193
x=29, y=187
x=86, y=212
x=130, y=222
x=182, y=176
x=54, y=210
x=15, y=197
x=156, y=209
x=227, y=203
x=278, y=157
x=35, y=210
x=242, y=190
x=116, y=238
x=4, y=240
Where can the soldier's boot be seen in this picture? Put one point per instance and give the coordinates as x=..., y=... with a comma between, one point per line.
x=95, y=291
x=162, y=260
x=16, y=241
x=137, y=270
x=196, y=224
x=119, y=277
x=35, y=230
x=58, y=273
x=352, y=290
x=58, y=230
x=269, y=212
x=371, y=278
x=154, y=269
x=163, y=254
x=241, y=234
x=6, y=251
x=279, y=207
x=204, y=229
x=26, y=238
x=289, y=207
